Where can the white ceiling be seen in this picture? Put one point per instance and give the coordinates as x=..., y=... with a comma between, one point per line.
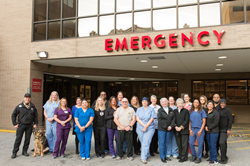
x=185, y=62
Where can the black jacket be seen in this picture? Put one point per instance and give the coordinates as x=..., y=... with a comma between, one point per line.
x=99, y=121
x=165, y=120
x=25, y=115
x=110, y=118
x=212, y=122
x=226, y=119
x=182, y=119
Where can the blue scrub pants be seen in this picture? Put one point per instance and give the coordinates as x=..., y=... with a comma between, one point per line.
x=85, y=142
x=172, y=146
x=145, y=139
x=212, y=139
x=163, y=137
x=51, y=135
x=200, y=141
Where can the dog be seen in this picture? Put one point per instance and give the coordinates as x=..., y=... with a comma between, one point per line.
x=40, y=141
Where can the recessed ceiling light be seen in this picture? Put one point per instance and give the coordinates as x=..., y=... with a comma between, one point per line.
x=222, y=57
x=132, y=78
x=154, y=67
x=77, y=76
x=217, y=69
x=219, y=64
x=143, y=61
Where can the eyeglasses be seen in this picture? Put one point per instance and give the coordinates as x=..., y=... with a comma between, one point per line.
x=103, y=94
x=125, y=101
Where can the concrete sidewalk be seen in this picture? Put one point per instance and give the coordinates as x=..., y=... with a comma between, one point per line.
x=238, y=153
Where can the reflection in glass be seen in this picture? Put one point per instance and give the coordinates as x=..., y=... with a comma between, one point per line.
x=182, y=2
x=69, y=8
x=188, y=17
x=124, y=23
x=248, y=10
x=208, y=18
x=40, y=10
x=69, y=28
x=54, y=30
x=162, y=3
x=232, y=12
x=142, y=21
x=198, y=89
x=87, y=7
x=164, y=19
x=87, y=27
x=54, y=9
x=142, y=4
x=107, y=6
x=40, y=31
x=123, y=5
x=236, y=91
x=106, y=25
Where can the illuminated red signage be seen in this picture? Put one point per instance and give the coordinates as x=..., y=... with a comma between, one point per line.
x=36, y=85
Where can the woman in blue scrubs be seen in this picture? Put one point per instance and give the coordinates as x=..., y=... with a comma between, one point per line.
x=145, y=129
x=84, y=117
x=196, y=129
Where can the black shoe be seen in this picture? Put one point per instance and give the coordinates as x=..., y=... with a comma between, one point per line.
x=197, y=161
x=168, y=159
x=208, y=160
x=97, y=155
x=77, y=152
x=181, y=161
x=193, y=159
x=205, y=156
x=138, y=153
x=222, y=162
x=179, y=157
x=164, y=160
x=13, y=155
x=25, y=154
x=156, y=152
x=152, y=154
x=103, y=155
x=32, y=150
x=124, y=152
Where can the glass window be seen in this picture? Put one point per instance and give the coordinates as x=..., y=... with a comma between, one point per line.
x=164, y=19
x=188, y=17
x=183, y=2
x=232, y=12
x=142, y=4
x=123, y=23
x=40, y=10
x=87, y=7
x=54, y=30
x=198, y=89
x=158, y=89
x=69, y=8
x=69, y=28
x=248, y=10
x=172, y=89
x=209, y=1
x=87, y=27
x=123, y=5
x=106, y=25
x=40, y=31
x=236, y=91
x=54, y=9
x=142, y=21
x=208, y=18
x=162, y=3
x=107, y=6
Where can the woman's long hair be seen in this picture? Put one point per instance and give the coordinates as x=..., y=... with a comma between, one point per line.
x=110, y=101
x=137, y=102
x=199, y=107
x=60, y=105
x=97, y=105
x=50, y=97
x=205, y=104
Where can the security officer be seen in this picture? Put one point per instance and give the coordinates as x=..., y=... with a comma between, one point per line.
x=27, y=120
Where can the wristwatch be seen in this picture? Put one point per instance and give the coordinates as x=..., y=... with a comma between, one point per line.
x=130, y=126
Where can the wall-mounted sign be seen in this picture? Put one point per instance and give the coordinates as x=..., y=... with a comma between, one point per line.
x=159, y=41
x=36, y=85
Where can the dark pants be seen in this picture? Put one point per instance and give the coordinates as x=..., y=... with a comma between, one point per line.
x=223, y=145
x=154, y=142
x=76, y=141
x=111, y=134
x=205, y=144
x=212, y=143
x=100, y=134
x=61, y=136
x=182, y=143
x=129, y=139
x=27, y=129
x=136, y=142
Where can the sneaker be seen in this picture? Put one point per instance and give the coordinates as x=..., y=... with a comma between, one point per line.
x=103, y=155
x=130, y=158
x=168, y=156
x=222, y=162
x=83, y=158
x=113, y=156
x=197, y=161
x=54, y=157
x=63, y=155
x=13, y=155
x=118, y=158
x=143, y=161
x=87, y=159
x=208, y=160
x=213, y=162
x=193, y=159
x=25, y=154
x=175, y=156
x=106, y=151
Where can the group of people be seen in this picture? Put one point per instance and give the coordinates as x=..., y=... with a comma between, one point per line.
x=174, y=127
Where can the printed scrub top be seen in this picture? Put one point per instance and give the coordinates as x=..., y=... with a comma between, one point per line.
x=50, y=109
x=63, y=115
x=83, y=117
x=145, y=116
x=196, y=118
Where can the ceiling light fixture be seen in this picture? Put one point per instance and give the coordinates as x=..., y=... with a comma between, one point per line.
x=222, y=57
x=219, y=64
x=77, y=76
x=144, y=61
x=217, y=69
x=42, y=54
x=155, y=67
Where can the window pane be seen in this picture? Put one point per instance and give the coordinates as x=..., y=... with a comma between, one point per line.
x=107, y=6
x=236, y=91
x=162, y=3
x=87, y=27
x=164, y=19
x=69, y=8
x=198, y=89
x=54, y=9
x=40, y=31
x=40, y=10
x=182, y=2
x=142, y=4
x=232, y=12
x=106, y=25
x=124, y=23
x=142, y=21
x=54, y=30
x=69, y=28
x=123, y=5
x=87, y=7
x=248, y=10
x=188, y=17
x=209, y=1
x=172, y=89
x=208, y=18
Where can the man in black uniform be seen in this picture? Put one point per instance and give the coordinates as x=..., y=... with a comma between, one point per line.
x=27, y=120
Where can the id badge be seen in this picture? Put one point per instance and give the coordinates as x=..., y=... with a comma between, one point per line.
x=66, y=112
x=129, y=118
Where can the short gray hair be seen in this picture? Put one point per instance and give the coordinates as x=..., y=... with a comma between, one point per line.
x=179, y=100
x=152, y=97
x=163, y=99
